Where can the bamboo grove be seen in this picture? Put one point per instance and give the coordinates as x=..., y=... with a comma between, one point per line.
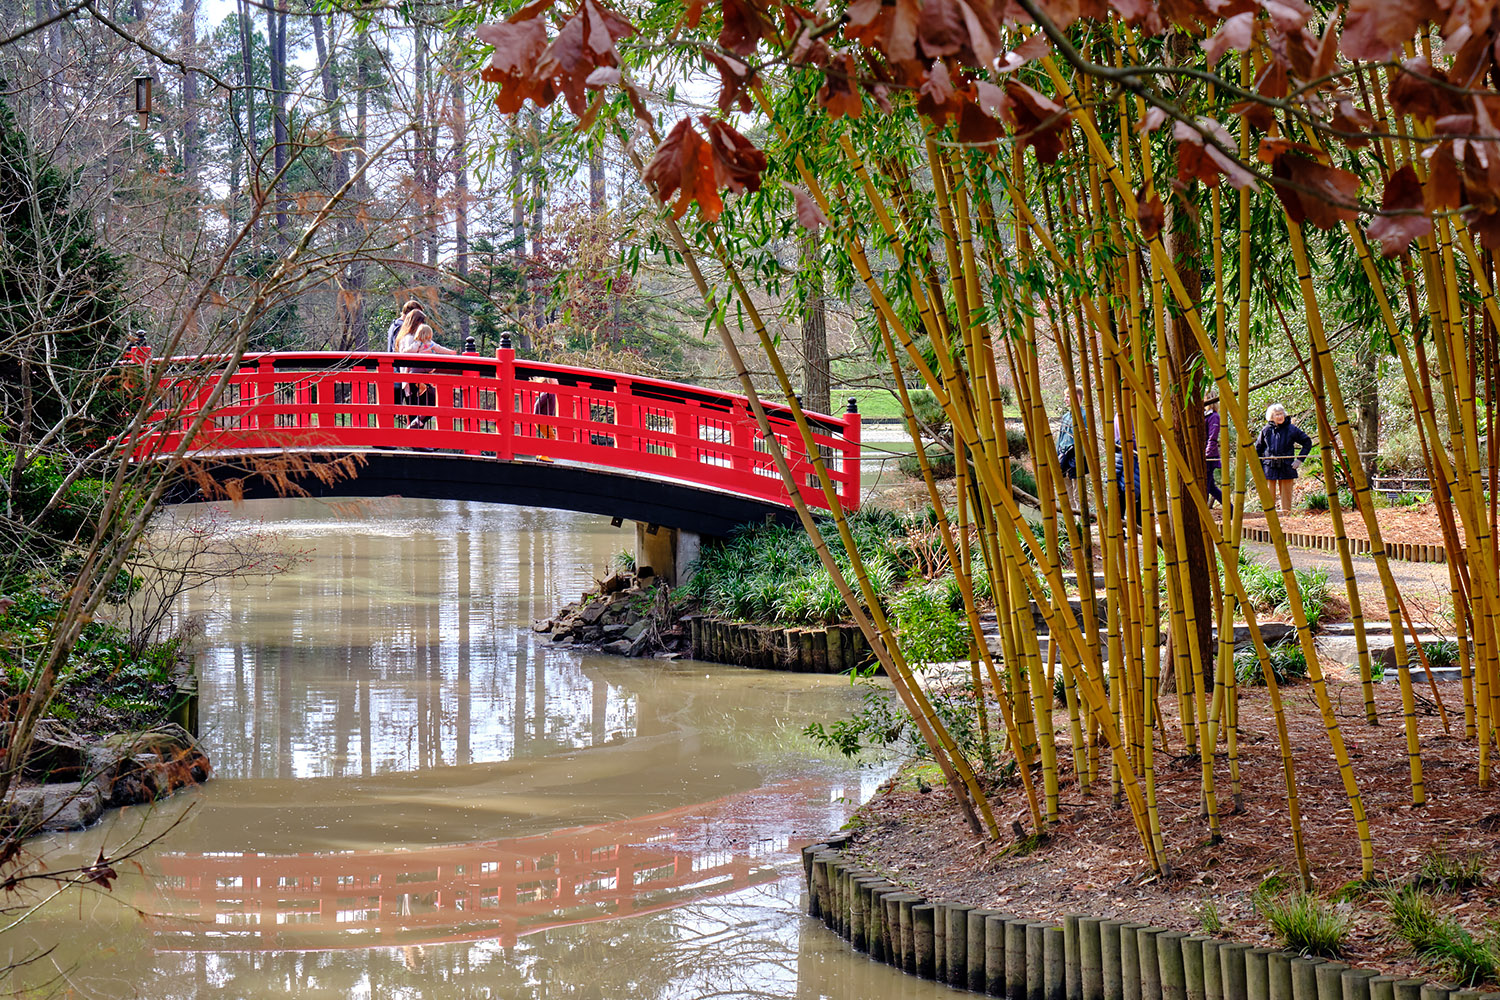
x=1007, y=186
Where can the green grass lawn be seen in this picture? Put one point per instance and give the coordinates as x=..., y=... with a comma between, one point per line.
x=874, y=404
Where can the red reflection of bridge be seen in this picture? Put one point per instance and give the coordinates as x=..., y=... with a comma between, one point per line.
x=499, y=890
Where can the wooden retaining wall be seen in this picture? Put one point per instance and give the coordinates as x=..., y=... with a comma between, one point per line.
x=1410, y=551
x=835, y=649
x=1086, y=958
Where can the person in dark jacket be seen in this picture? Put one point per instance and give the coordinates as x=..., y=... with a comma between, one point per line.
x=1211, y=452
x=1277, y=440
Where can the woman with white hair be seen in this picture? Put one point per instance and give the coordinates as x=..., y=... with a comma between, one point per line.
x=1277, y=440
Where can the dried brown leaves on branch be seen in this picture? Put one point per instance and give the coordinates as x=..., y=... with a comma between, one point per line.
x=956, y=57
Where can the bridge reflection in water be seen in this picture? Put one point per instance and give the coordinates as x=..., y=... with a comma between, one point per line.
x=500, y=890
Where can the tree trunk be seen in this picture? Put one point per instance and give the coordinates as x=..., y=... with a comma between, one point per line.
x=360, y=333
x=1369, y=409
x=276, y=20
x=190, y=92
x=815, y=376
x=1184, y=238
x=518, y=225
x=461, y=202
x=348, y=306
x=247, y=96
x=426, y=148
x=538, y=177
x=596, y=178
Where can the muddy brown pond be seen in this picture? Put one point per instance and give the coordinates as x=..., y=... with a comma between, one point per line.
x=416, y=797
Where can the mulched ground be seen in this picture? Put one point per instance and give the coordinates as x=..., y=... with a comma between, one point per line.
x=1092, y=861
x=1417, y=523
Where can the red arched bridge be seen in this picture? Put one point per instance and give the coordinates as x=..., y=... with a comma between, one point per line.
x=500, y=430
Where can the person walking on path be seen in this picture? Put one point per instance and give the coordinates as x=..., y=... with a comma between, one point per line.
x=1067, y=456
x=1277, y=440
x=1124, y=446
x=1211, y=452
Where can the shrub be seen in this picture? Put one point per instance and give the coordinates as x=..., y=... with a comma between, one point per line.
x=940, y=462
x=927, y=410
x=1402, y=451
x=1022, y=479
x=1441, y=653
x=1266, y=589
x=880, y=723
x=1287, y=664
x=1209, y=919
x=1315, y=503
x=1316, y=593
x=930, y=630
x=771, y=573
x=1015, y=440
x=1304, y=923
x=825, y=603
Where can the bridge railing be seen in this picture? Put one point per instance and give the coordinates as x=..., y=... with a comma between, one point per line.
x=500, y=408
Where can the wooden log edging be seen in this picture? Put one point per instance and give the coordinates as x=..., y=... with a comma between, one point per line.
x=836, y=649
x=1083, y=958
x=1408, y=551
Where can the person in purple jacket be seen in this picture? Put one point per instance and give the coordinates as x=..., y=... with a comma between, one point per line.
x=1211, y=453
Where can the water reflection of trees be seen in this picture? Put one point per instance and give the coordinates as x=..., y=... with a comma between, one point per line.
x=398, y=648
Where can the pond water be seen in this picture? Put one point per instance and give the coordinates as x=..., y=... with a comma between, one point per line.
x=416, y=796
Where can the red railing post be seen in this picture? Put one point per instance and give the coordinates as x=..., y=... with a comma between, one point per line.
x=625, y=439
x=265, y=395
x=852, y=428
x=742, y=440
x=470, y=395
x=505, y=374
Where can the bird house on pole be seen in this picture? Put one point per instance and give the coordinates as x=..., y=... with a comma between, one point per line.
x=143, y=98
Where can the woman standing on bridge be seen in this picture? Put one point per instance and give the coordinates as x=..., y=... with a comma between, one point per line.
x=420, y=341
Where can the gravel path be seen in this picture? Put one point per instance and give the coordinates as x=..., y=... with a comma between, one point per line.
x=1414, y=578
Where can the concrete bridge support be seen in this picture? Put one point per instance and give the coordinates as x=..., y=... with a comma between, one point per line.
x=669, y=552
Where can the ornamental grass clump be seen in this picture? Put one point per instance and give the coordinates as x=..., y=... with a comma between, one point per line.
x=1288, y=665
x=1304, y=923
x=1441, y=940
x=1442, y=872
x=1315, y=503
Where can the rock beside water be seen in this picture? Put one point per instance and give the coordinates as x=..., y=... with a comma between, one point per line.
x=624, y=616
x=69, y=780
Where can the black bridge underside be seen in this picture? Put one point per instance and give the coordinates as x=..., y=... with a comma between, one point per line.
x=588, y=489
